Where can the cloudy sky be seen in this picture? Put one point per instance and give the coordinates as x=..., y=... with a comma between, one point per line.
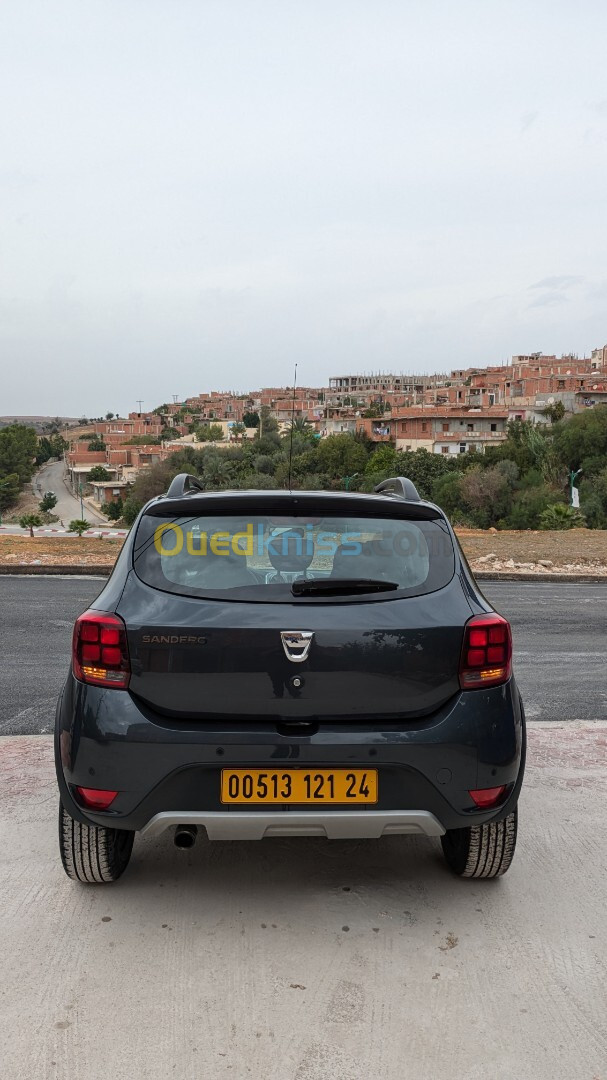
x=196, y=194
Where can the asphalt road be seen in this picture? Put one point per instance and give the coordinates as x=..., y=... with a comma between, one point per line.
x=51, y=478
x=559, y=639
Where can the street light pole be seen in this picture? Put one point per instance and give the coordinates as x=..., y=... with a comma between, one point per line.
x=81, y=502
x=572, y=478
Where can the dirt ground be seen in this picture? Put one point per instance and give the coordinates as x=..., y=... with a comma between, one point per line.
x=579, y=547
x=56, y=550
x=588, y=546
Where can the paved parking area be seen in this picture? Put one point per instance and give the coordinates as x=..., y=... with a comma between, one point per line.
x=307, y=960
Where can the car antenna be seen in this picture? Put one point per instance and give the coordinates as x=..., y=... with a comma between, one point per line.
x=292, y=423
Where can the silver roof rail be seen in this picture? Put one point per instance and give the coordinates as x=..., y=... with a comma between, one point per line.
x=400, y=486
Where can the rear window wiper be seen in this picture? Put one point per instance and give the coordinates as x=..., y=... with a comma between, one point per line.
x=340, y=586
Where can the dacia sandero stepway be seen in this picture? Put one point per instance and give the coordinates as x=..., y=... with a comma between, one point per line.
x=289, y=663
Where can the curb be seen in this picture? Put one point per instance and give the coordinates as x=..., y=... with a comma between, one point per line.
x=97, y=570
x=27, y=570
x=511, y=575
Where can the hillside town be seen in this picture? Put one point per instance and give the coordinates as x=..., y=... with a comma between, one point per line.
x=466, y=410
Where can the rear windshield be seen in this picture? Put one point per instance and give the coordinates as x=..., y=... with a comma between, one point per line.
x=259, y=557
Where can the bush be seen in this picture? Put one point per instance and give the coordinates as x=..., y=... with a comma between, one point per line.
x=48, y=501
x=528, y=506
x=78, y=525
x=560, y=516
x=113, y=510
x=131, y=507
x=447, y=492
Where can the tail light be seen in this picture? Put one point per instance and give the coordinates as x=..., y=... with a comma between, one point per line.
x=487, y=652
x=487, y=797
x=95, y=798
x=100, y=654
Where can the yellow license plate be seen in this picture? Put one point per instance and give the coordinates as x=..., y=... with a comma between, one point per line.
x=296, y=786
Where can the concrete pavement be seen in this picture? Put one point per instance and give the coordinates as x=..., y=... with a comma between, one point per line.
x=300, y=959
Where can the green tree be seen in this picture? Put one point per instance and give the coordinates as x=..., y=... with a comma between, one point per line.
x=10, y=486
x=267, y=422
x=48, y=501
x=109, y=416
x=238, y=430
x=251, y=419
x=44, y=450
x=341, y=455
x=583, y=439
x=487, y=494
x=216, y=470
x=30, y=521
x=131, y=507
x=301, y=426
x=18, y=449
x=447, y=493
x=96, y=444
x=113, y=510
x=528, y=506
x=78, y=525
x=424, y=468
x=375, y=410
x=554, y=412
x=383, y=462
x=98, y=472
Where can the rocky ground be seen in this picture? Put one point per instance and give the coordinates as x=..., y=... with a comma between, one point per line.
x=570, y=552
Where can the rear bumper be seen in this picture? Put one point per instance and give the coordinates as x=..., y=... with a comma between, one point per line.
x=168, y=772
x=332, y=824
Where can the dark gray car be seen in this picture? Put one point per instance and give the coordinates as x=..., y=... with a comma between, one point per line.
x=271, y=663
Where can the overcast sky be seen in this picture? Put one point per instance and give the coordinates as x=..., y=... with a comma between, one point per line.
x=196, y=194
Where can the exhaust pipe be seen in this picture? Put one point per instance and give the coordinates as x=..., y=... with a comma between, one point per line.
x=185, y=836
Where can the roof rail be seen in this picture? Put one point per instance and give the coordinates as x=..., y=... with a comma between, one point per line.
x=400, y=486
x=182, y=484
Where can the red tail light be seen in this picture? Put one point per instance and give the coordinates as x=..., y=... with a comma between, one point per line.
x=486, y=797
x=100, y=654
x=487, y=652
x=95, y=798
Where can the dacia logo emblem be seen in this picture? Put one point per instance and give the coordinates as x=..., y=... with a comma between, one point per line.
x=296, y=644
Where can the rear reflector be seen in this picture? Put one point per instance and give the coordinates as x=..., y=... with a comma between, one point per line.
x=486, y=797
x=486, y=653
x=100, y=654
x=95, y=798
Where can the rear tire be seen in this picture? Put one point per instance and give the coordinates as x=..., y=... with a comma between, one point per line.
x=481, y=851
x=93, y=854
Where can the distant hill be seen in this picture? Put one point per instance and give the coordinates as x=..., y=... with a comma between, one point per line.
x=38, y=422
